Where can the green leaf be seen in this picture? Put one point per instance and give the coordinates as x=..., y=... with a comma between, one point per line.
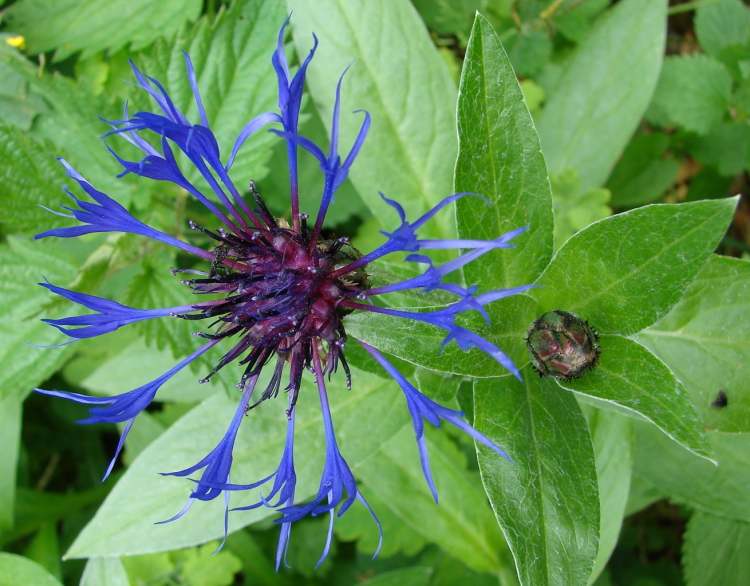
x=726, y=147
x=10, y=436
x=611, y=437
x=275, y=187
x=462, y=524
x=104, y=572
x=499, y=157
x=124, y=524
x=529, y=51
x=420, y=343
x=693, y=93
x=414, y=576
x=44, y=549
x=34, y=509
x=546, y=498
x=69, y=26
x=574, y=209
x=704, y=339
x=687, y=479
x=232, y=58
x=402, y=81
x=18, y=107
x=257, y=564
x=154, y=286
x=630, y=378
x=23, y=263
x=357, y=526
x=716, y=551
x=449, y=17
x=106, y=368
x=626, y=271
x=643, y=173
x=604, y=91
x=70, y=121
x=202, y=566
x=574, y=19
x=15, y=570
x=30, y=178
x=723, y=27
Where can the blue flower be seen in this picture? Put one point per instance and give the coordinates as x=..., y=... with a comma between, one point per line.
x=279, y=291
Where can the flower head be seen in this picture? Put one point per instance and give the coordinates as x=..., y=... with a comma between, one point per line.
x=279, y=291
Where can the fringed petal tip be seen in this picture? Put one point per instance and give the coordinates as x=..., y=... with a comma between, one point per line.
x=421, y=409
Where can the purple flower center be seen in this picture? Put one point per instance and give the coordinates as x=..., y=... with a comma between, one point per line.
x=284, y=292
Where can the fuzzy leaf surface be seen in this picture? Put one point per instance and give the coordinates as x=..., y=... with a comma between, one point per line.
x=499, y=157
x=545, y=499
x=399, y=77
x=626, y=271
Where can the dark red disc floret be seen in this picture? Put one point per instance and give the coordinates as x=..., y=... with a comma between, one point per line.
x=278, y=296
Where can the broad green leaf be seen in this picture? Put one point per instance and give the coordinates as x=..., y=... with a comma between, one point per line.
x=421, y=344
x=10, y=436
x=398, y=76
x=704, y=339
x=687, y=479
x=546, y=498
x=626, y=271
x=30, y=178
x=716, y=550
x=604, y=91
x=124, y=524
x=462, y=524
x=693, y=92
x=104, y=572
x=27, y=362
x=415, y=576
x=643, y=173
x=629, y=377
x=232, y=58
x=723, y=27
x=611, y=437
x=499, y=157
x=15, y=570
x=69, y=26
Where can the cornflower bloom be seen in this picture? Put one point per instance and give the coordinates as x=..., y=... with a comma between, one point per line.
x=283, y=291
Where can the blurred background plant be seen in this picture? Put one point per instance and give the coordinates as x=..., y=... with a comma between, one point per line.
x=625, y=119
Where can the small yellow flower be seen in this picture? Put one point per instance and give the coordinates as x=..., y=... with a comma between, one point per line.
x=17, y=41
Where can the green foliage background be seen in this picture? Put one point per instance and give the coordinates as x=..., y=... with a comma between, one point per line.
x=616, y=131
